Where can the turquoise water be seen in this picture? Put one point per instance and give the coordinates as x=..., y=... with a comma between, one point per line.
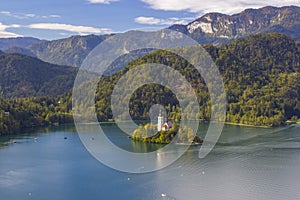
x=248, y=163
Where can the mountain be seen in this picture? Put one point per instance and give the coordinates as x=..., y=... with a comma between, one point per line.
x=264, y=88
x=261, y=74
x=20, y=50
x=217, y=28
x=70, y=51
x=24, y=76
x=212, y=28
x=6, y=43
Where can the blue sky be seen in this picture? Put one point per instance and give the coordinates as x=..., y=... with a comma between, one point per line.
x=53, y=19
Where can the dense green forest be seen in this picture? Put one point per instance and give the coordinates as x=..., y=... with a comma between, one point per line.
x=261, y=74
x=17, y=114
x=25, y=76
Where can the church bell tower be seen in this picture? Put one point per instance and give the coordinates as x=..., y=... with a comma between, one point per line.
x=160, y=121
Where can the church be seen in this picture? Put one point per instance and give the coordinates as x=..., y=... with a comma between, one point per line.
x=163, y=125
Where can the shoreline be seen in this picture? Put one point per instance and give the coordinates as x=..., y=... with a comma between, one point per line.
x=112, y=122
x=227, y=123
x=188, y=144
x=247, y=125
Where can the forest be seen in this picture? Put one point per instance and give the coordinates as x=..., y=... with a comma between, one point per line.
x=261, y=75
x=18, y=114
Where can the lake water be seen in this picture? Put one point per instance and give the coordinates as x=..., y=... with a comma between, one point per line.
x=248, y=163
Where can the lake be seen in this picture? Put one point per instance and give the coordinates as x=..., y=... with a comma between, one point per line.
x=247, y=163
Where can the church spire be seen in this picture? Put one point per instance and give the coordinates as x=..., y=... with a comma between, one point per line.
x=160, y=121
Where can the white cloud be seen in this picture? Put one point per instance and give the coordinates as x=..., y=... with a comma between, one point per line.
x=30, y=15
x=26, y=15
x=81, y=30
x=224, y=6
x=156, y=21
x=52, y=16
x=102, y=1
x=64, y=34
x=5, y=13
x=5, y=34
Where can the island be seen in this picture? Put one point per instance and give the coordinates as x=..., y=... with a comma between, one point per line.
x=164, y=133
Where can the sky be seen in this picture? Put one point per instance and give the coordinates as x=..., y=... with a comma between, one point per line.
x=54, y=19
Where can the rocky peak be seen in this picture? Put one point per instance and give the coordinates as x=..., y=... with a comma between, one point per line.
x=250, y=21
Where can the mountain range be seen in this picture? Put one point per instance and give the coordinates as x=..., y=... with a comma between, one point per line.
x=211, y=28
x=70, y=51
x=217, y=28
x=23, y=42
x=257, y=52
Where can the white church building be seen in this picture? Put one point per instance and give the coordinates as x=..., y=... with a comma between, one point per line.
x=162, y=124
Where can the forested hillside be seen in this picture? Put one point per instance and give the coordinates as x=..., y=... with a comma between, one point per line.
x=24, y=76
x=261, y=74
